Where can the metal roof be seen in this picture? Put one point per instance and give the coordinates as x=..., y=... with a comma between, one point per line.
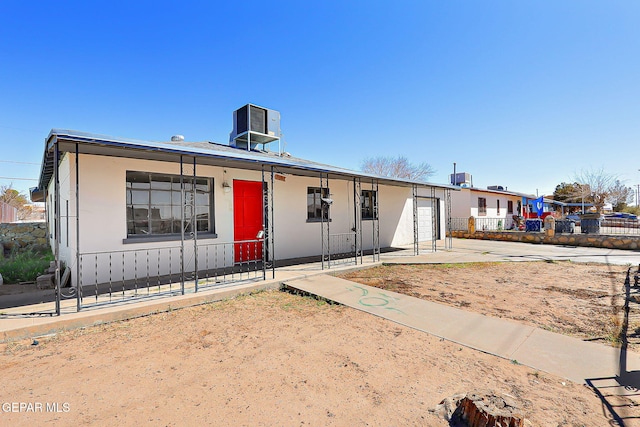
x=505, y=192
x=205, y=153
x=566, y=204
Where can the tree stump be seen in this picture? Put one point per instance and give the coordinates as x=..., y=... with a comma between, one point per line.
x=480, y=409
x=488, y=410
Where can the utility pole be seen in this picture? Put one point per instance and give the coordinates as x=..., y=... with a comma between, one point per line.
x=455, y=178
x=638, y=194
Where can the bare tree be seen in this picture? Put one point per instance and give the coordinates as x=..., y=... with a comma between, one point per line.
x=596, y=186
x=620, y=196
x=397, y=167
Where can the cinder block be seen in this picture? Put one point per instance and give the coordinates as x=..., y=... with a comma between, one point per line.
x=45, y=281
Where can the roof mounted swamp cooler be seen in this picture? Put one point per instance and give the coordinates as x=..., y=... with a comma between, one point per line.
x=253, y=125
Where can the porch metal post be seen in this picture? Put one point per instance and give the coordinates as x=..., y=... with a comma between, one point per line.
x=325, y=235
x=435, y=213
x=194, y=225
x=265, y=222
x=328, y=241
x=355, y=220
x=322, y=219
x=375, y=221
x=272, y=229
x=56, y=202
x=182, y=227
x=449, y=238
x=78, y=272
x=47, y=212
x=416, y=245
x=360, y=239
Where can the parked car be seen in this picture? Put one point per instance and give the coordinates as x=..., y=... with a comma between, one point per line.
x=574, y=217
x=622, y=215
x=621, y=220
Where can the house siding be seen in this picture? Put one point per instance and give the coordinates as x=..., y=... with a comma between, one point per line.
x=103, y=226
x=464, y=204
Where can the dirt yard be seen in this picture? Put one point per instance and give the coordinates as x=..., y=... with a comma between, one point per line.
x=278, y=359
x=582, y=300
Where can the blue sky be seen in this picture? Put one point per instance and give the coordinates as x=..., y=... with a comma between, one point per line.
x=523, y=94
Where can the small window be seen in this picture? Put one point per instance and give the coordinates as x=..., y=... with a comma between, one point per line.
x=497, y=207
x=509, y=206
x=316, y=210
x=482, y=206
x=369, y=200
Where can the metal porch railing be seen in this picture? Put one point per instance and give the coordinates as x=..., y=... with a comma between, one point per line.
x=123, y=276
x=342, y=248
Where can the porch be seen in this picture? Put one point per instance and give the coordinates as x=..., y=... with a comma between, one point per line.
x=39, y=316
x=15, y=325
x=132, y=220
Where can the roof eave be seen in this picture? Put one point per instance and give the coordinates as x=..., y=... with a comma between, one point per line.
x=62, y=138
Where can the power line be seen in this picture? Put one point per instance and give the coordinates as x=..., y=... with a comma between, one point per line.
x=21, y=179
x=20, y=129
x=18, y=163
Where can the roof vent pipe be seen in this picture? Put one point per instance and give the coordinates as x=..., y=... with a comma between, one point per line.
x=177, y=138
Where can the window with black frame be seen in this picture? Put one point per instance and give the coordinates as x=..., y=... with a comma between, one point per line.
x=154, y=204
x=482, y=206
x=316, y=210
x=368, y=200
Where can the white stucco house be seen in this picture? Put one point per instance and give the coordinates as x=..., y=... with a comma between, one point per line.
x=493, y=207
x=133, y=215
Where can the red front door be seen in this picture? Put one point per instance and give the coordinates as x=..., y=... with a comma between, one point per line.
x=247, y=219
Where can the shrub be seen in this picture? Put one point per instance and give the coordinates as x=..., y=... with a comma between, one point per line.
x=24, y=266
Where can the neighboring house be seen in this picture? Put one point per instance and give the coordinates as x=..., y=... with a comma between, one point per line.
x=31, y=212
x=556, y=208
x=116, y=211
x=8, y=213
x=493, y=207
x=36, y=213
x=549, y=207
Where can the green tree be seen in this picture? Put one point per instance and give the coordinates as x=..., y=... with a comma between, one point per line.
x=566, y=192
x=16, y=199
x=573, y=193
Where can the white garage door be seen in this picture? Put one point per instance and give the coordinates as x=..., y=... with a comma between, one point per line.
x=425, y=217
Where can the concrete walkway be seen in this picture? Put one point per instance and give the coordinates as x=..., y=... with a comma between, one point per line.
x=565, y=356
x=470, y=250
